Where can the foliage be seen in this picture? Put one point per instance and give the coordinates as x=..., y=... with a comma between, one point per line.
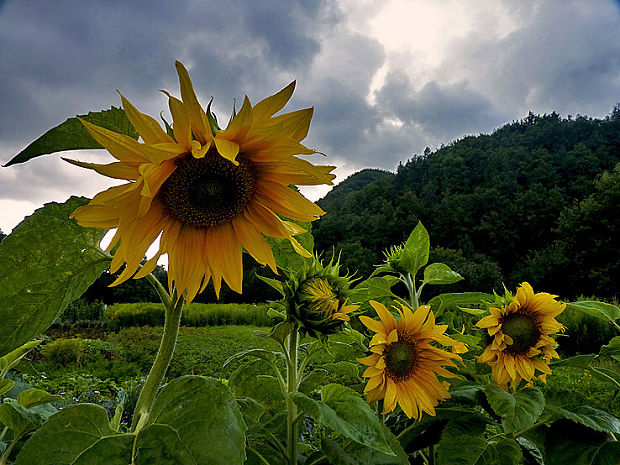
x=64, y=351
x=80, y=310
x=510, y=196
x=196, y=314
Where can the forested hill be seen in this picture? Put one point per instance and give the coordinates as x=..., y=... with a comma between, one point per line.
x=536, y=200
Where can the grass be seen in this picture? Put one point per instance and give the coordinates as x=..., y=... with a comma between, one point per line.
x=116, y=361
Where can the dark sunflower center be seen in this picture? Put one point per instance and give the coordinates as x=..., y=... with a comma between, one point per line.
x=523, y=331
x=207, y=191
x=400, y=359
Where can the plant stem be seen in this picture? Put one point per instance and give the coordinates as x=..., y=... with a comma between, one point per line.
x=164, y=354
x=7, y=452
x=6, y=428
x=291, y=408
x=605, y=376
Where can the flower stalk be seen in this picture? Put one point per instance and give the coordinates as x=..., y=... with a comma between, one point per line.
x=174, y=308
x=292, y=385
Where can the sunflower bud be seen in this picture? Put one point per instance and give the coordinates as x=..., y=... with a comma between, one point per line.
x=393, y=256
x=318, y=298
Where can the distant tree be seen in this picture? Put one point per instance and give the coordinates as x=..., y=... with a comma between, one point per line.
x=2, y=235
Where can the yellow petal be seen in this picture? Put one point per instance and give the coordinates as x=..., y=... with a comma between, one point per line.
x=197, y=116
x=181, y=125
x=122, y=147
x=238, y=127
x=271, y=105
x=389, y=322
x=149, y=129
x=254, y=242
x=116, y=170
x=227, y=149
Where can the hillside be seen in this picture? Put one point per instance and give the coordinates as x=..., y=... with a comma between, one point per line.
x=528, y=202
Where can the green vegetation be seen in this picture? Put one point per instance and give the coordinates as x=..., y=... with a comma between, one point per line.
x=537, y=200
x=152, y=314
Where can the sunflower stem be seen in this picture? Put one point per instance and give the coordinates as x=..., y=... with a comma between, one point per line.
x=153, y=381
x=292, y=385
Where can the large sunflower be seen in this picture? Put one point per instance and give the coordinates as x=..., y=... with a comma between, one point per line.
x=405, y=363
x=520, y=331
x=207, y=193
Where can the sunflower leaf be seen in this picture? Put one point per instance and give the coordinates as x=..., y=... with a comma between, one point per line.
x=440, y=273
x=578, y=361
x=33, y=397
x=200, y=414
x=47, y=262
x=345, y=412
x=78, y=434
x=450, y=301
x=590, y=417
x=71, y=135
x=600, y=310
x=519, y=410
x=566, y=442
x=416, y=250
x=13, y=358
x=462, y=444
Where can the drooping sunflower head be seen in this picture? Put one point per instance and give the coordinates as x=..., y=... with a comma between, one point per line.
x=317, y=297
x=406, y=360
x=520, y=332
x=206, y=193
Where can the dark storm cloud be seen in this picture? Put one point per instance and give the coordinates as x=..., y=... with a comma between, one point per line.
x=566, y=58
x=446, y=112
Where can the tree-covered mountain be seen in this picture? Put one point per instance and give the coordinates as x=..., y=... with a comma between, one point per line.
x=537, y=200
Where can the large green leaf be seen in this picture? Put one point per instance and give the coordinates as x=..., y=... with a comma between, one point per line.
x=519, y=410
x=578, y=361
x=11, y=359
x=46, y=262
x=33, y=397
x=440, y=273
x=585, y=415
x=415, y=252
x=69, y=435
x=18, y=418
x=567, y=443
x=344, y=411
x=377, y=288
x=203, y=414
x=71, y=135
x=357, y=454
x=462, y=444
x=612, y=349
x=600, y=310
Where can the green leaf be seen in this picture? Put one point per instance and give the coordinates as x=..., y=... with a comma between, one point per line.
x=274, y=283
x=162, y=445
x=65, y=437
x=344, y=411
x=18, y=418
x=266, y=355
x=600, y=310
x=33, y=397
x=462, y=444
x=415, y=251
x=612, y=349
x=531, y=451
x=377, y=288
x=585, y=415
x=251, y=410
x=519, y=410
x=439, y=273
x=451, y=301
x=567, y=443
x=357, y=454
x=204, y=415
x=47, y=262
x=578, y=361
x=312, y=380
x=6, y=385
x=250, y=380
x=72, y=135
x=11, y=359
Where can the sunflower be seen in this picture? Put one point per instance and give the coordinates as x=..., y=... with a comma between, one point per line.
x=206, y=193
x=404, y=364
x=520, y=331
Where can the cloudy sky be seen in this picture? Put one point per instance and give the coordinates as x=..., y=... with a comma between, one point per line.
x=387, y=78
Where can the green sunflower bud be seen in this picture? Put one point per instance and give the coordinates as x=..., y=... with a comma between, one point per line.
x=317, y=298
